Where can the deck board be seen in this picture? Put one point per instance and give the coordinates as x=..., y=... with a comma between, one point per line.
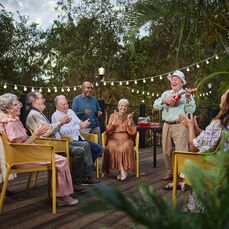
x=32, y=209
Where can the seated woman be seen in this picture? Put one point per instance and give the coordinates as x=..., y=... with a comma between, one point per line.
x=121, y=132
x=16, y=133
x=205, y=140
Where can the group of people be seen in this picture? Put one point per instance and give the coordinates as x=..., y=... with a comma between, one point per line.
x=180, y=130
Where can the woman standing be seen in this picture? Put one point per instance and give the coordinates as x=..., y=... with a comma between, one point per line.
x=121, y=132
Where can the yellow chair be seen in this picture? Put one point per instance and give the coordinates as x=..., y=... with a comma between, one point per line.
x=179, y=158
x=136, y=149
x=24, y=154
x=90, y=137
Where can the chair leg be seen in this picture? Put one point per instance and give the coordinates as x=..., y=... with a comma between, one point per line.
x=97, y=167
x=4, y=187
x=137, y=165
x=53, y=189
x=29, y=180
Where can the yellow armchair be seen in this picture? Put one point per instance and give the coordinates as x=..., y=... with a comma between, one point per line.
x=179, y=158
x=136, y=149
x=18, y=159
x=90, y=137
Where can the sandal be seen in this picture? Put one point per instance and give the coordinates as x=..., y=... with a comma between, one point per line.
x=169, y=186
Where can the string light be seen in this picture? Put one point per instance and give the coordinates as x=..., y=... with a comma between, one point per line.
x=32, y=89
x=112, y=83
x=143, y=93
x=147, y=93
x=157, y=94
x=152, y=79
x=5, y=86
x=216, y=57
x=120, y=83
x=15, y=87
x=160, y=77
x=74, y=88
x=96, y=84
x=137, y=91
x=144, y=81
x=49, y=90
x=132, y=90
x=104, y=83
x=127, y=82
x=25, y=88
x=207, y=62
x=198, y=66
x=62, y=89
x=135, y=82
x=68, y=89
x=187, y=69
x=40, y=90
x=55, y=89
x=143, y=101
x=152, y=94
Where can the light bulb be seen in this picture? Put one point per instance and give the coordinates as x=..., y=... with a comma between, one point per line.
x=104, y=83
x=25, y=88
x=144, y=81
x=15, y=87
x=32, y=89
x=55, y=89
x=143, y=93
x=160, y=77
x=216, y=57
x=143, y=101
x=68, y=89
x=112, y=83
x=40, y=90
x=120, y=83
x=147, y=93
x=198, y=66
x=152, y=79
x=152, y=94
x=5, y=86
x=137, y=91
x=187, y=69
x=135, y=82
x=62, y=89
x=74, y=88
x=127, y=82
x=96, y=84
x=49, y=90
x=132, y=90
x=207, y=61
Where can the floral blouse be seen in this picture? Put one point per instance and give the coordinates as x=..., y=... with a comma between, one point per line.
x=209, y=138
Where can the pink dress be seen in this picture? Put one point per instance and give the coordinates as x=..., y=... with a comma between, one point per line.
x=120, y=144
x=16, y=133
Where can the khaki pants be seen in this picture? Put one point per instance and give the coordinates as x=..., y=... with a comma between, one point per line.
x=175, y=134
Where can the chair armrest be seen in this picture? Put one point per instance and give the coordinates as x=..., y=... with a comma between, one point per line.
x=90, y=137
x=18, y=153
x=66, y=137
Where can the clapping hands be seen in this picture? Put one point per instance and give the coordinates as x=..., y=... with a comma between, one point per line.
x=85, y=123
x=41, y=131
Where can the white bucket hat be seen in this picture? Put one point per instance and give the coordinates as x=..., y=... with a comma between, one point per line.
x=179, y=74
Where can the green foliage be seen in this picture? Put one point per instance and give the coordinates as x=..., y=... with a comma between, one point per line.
x=149, y=210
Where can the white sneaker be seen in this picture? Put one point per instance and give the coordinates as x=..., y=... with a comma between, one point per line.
x=66, y=201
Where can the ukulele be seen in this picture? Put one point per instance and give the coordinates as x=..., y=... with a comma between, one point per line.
x=178, y=96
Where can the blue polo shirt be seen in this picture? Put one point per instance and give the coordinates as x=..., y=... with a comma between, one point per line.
x=82, y=102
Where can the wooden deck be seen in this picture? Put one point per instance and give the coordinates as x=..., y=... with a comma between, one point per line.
x=32, y=209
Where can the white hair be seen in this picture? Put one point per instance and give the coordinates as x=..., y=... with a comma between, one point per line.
x=6, y=101
x=123, y=101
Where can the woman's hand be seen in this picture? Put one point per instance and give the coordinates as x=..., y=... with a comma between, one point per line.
x=130, y=118
x=186, y=121
x=115, y=118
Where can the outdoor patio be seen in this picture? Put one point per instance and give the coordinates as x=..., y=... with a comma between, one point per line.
x=32, y=209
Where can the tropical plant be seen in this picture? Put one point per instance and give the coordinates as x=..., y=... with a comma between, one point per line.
x=148, y=210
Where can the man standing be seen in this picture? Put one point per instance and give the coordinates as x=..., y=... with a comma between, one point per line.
x=73, y=127
x=173, y=131
x=86, y=107
x=81, y=153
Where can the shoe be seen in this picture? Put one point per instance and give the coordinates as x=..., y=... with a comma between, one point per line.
x=123, y=177
x=169, y=186
x=90, y=181
x=66, y=201
x=78, y=188
x=167, y=177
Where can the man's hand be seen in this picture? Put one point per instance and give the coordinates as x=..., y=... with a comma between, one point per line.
x=65, y=119
x=99, y=114
x=85, y=124
x=87, y=111
x=171, y=100
x=40, y=131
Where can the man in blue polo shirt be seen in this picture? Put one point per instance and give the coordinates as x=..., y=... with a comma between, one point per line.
x=87, y=107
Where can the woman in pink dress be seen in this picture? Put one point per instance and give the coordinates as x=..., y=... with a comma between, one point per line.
x=121, y=132
x=16, y=133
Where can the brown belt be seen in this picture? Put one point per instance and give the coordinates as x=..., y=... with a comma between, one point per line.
x=172, y=123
